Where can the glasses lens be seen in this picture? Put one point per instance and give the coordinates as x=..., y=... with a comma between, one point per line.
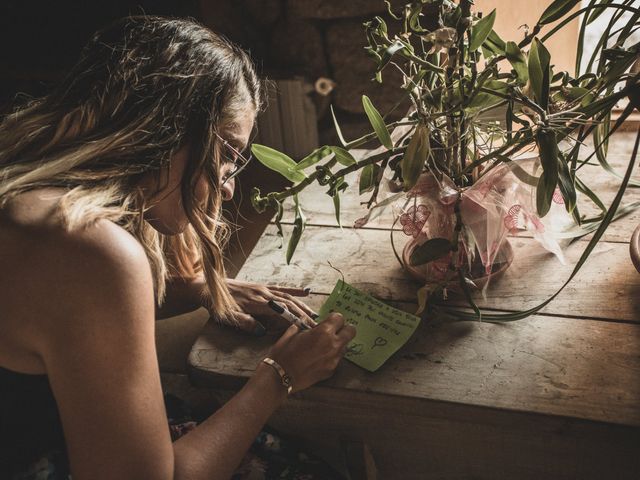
x=238, y=159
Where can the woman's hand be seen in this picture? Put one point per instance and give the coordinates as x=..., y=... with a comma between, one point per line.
x=310, y=356
x=255, y=316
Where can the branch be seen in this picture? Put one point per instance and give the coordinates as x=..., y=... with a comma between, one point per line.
x=340, y=173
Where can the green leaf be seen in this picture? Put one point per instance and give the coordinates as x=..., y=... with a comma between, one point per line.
x=415, y=156
x=430, y=250
x=596, y=12
x=572, y=94
x=343, y=156
x=481, y=30
x=601, y=135
x=336, y=200
x=616, y=68
x=566, y=185
x=368, y=177
x=337, y=127
x=556, y=10
x=278, y=220
x=548, y=149
x=518, y=62
x=313, y=158
x=518, y=171
x=544, y=193
x=377, y=122
x=336, y=206
x=487, y=53
x=280, y=162
x=590, y=225
x=582, y=187
x=491, y=94
x=601, y=105
x=494, y=44
x=388, y=53
x=540, y=72
x=299, y=223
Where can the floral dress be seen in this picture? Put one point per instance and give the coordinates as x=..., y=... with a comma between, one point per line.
x=270, y=456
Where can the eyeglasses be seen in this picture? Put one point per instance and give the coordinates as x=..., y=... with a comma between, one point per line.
x=239, y=161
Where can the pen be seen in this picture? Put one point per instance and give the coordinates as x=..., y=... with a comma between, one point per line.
x=287, y=315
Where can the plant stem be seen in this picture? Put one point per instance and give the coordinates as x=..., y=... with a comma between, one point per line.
x=503, y=150
x=280, y=196
x=376, y=189
x=358, y=142
x=455, y=241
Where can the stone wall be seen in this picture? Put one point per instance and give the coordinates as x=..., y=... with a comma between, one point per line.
x=312, y=39
x=287, y=38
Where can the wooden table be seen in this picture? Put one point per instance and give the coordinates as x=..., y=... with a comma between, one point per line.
x=556, y=395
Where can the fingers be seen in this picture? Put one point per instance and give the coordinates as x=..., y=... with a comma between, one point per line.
x=333, y=323
x=346, y=334
x=298, y=312
x=298, y=292
x=247, y=323
x=282, y=296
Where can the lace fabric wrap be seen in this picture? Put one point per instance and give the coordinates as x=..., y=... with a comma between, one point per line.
x=501, y=203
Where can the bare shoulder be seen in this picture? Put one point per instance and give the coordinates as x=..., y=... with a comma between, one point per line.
x=52, y=279
x=32, y=221
x=83, y=301
x=101, y=253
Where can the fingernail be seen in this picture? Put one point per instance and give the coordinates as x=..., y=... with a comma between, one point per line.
x=259, y=330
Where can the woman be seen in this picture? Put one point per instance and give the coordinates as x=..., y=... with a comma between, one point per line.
x=110, y=194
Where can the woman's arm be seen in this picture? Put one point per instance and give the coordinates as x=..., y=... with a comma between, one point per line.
x=216, y=447
x=183, y=295
x=308, y=357
x=98, y=347
x=186, y=295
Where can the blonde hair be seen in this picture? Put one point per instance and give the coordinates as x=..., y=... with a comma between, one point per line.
x=143, y=88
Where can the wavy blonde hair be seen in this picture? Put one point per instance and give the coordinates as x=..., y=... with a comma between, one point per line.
x=143, y=88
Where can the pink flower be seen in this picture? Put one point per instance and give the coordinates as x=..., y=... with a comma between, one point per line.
x=414, y=219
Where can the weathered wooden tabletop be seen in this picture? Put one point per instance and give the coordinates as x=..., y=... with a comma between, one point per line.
x=556, y=395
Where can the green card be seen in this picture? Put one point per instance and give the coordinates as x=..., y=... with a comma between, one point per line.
x=381, y=329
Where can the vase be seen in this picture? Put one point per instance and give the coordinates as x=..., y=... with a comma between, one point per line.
x=429, y=212
x=436, y=270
